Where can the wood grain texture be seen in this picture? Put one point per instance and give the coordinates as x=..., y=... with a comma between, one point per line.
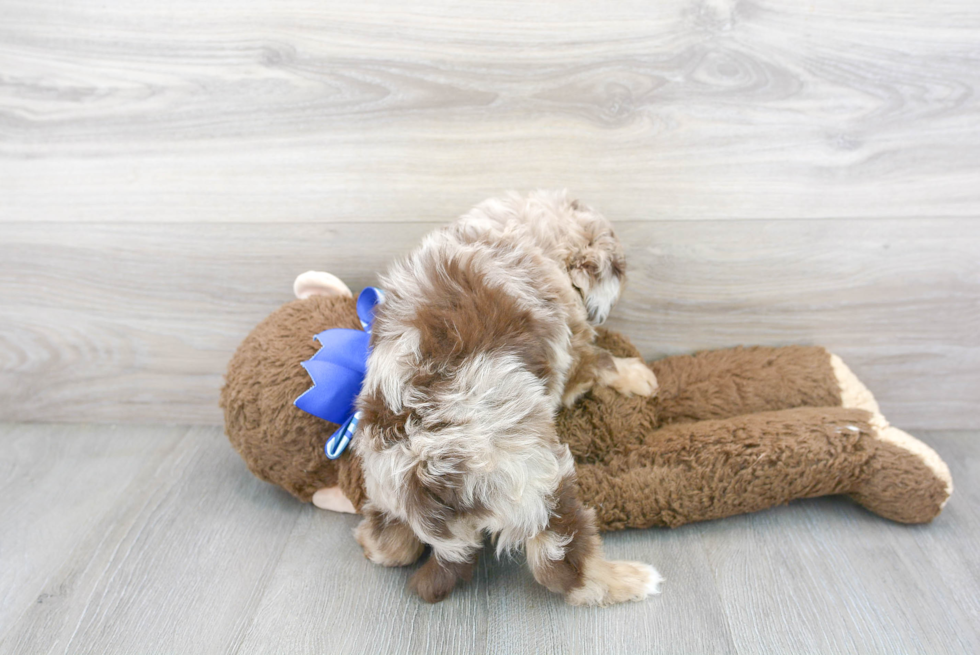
x=122, y=539
x=327, y=111
x=83, y=470
x=121, y=322
x=173, y=562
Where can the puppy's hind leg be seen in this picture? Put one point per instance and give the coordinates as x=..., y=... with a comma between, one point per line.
x=566, y=557
x=444, y=569
x=386, y=540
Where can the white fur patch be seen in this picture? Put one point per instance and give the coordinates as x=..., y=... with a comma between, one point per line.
x=615, y=582
x=546, y=547
x=601, y=298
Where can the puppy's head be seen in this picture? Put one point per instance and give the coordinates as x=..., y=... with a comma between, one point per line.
x=597, y=266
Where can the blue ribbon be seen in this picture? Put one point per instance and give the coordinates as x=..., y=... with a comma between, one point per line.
x=337, y=370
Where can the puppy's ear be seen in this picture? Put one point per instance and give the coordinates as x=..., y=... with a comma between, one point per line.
x=601, y=260
x=584, y=270
x=598, y=272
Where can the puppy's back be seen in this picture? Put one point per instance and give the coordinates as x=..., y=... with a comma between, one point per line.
x=470, y=350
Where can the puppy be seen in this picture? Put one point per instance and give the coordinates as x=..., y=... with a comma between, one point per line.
x=485, y=330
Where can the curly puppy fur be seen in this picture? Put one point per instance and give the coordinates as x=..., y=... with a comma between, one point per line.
x=485, y=330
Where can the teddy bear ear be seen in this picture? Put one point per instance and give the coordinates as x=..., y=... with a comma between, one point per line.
x=318, y=283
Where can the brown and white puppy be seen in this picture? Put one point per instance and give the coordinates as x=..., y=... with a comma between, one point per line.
x=484, y=331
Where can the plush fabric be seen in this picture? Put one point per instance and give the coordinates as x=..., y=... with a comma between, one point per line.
x=729, y=432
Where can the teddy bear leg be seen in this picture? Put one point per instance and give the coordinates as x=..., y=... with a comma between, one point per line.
x=566, y=557
x=711, y=469
x=906, y=481
x=902, y=482
x=387, y=540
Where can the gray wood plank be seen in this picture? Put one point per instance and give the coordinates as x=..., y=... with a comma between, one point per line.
x=118, y=322
x=688, y=616
x=55, y=483
x=160, y=541
x=326, y=597
x=319, y=111
x=824, y=575
x=949, y=553
x=174, y=561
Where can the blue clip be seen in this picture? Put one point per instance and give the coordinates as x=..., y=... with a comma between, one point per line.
x=339, y=440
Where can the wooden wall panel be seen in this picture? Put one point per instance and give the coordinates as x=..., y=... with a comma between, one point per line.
x=787, y=173
x=329, y=111
x=123, y=322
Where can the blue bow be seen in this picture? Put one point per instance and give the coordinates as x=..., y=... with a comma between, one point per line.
x=338, y=370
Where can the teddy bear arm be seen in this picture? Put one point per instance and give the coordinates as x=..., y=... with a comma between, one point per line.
x=710, y=385
x=738, y=381
x=720, y=384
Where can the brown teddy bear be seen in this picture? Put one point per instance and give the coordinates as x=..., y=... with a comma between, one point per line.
x=729, y=431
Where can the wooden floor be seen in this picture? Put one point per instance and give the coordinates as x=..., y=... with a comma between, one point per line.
x=156, y=539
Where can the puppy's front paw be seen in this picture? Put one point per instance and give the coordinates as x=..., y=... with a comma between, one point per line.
x=633, y=376
x=436, y=579
x=607, y=583
x=391, y=545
